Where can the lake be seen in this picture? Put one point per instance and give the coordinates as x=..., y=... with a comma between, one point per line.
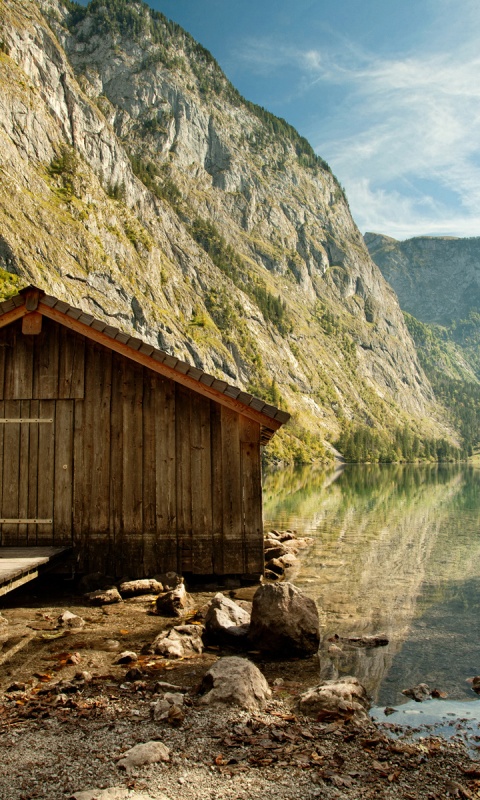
x=395, y=550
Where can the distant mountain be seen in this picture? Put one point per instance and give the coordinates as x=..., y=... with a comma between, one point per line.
x=137, y=183
x=437, y=280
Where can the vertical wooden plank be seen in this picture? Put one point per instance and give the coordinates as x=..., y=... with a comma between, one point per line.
x=23, y=476
x=63, y=491
x=201, y=478
x=45, y=467
x=116, y=462
x=2, y=436
x=79, y=487
x=232, y=493
x=217, y=488
x=71, y=370
x=3, y=353
x=252, y=517
x=93, y=480
x=11, y=473
x=9, y=366
x=149, y=476
x=32, y=470
x=46, y=362
x=183, y=476
x=165, y=467
x=132, y=469
x=23, y=367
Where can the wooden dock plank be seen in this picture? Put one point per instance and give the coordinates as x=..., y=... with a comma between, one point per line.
x=18, y=565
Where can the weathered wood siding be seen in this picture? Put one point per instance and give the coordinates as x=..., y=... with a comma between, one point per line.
x=140, y=474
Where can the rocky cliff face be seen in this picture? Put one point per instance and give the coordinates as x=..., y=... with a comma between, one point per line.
x=136, y=183
x=437, y=279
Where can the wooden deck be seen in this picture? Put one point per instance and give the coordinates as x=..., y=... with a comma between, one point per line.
x=18, y=565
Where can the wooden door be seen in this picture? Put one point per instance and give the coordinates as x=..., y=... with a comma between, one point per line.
x=27, y=472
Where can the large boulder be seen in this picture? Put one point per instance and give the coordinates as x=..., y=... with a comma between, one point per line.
x=235, y=681
x=226, y=621
x=341, y=698
x=284, y=621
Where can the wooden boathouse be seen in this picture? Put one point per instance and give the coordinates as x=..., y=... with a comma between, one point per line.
x=137, y=460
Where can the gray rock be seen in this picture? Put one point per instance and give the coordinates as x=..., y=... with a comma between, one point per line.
x=235, y=681
x=148, y=753
x=226, y=621
x=344, y=698
x=182, y=641
x=115, y=793
x=104, y=597
x=275, y=565
x=419, y=693
x=275, y=552
x=284, y=620
x=143, y=586
x=127, y=657
x=162, y=708
x=172, y=603
x=70, y=620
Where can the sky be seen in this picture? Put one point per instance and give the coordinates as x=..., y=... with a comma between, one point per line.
x=386, y=91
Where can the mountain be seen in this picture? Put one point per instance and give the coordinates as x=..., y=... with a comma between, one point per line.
x=138, y=184
x=437, y=280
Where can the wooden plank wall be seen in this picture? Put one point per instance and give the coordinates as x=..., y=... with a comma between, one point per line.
x=141, y=474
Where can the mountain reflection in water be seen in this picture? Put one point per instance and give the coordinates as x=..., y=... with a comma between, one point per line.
x=396, y=550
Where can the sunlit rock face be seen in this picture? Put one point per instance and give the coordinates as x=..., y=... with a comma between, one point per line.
x=118, y=142
x=387, y=542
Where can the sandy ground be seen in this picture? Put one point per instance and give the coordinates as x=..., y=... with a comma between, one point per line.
x=59, y=735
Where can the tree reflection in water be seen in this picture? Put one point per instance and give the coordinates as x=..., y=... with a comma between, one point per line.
x=396, y=550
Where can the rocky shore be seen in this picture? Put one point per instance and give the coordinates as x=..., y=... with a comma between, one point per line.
x=113, y=699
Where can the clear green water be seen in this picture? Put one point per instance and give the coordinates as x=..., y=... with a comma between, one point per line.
x=395, y=550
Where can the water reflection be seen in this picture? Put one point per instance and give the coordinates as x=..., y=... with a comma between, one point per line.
x=396, y=550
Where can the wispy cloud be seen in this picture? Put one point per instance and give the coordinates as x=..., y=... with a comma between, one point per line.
x=399, y=120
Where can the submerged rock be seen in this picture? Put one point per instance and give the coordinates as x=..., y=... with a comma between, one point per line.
x=284, y=621
x=419, y=693
x=336, y=699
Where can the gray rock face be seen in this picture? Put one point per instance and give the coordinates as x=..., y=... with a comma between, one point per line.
x=336, y=699
x=101, y=239
x=284, y=621
x=235, y=681
x=436, y=278
x=226, y=621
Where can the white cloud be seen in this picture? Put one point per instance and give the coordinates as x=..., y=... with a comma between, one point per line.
x=399, y=120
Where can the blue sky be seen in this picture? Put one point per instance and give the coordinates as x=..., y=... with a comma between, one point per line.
x=386, y=91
